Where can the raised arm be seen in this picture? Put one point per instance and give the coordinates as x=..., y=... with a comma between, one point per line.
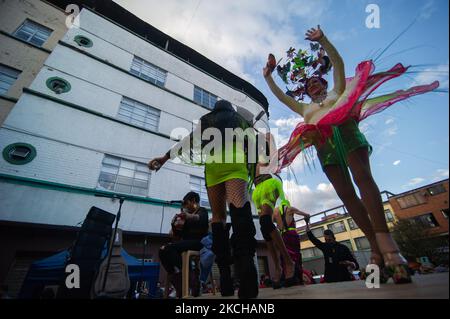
x=317, y=35
x=290, y=102
x=295, y=211
x=313, y=238
x=158, y=162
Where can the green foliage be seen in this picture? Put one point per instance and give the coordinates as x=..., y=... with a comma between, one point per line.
x=414, y=240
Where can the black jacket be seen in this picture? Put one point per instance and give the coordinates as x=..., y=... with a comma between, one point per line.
x=196, y=229
x=334, y=254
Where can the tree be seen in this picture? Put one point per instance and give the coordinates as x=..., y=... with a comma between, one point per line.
x=414, y=239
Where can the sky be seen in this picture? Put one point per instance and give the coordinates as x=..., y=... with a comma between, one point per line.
x=410, y=139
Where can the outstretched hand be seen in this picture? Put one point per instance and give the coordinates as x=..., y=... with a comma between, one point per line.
x=270, y=66
x=156, y=163
x=314, y=34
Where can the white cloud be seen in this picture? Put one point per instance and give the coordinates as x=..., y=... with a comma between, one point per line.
x=414, y=181
x=286, y=123
x=437, y=73
x=391, y=131
x=427, y=10
x=440, y=174
x=234, y=34
x=396, y=162
x=389, y=121
x=309, y=200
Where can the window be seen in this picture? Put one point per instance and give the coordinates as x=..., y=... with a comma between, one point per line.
x=58, y=85
x=83, y=41
x=317, y=232
x=33, y=33
x=147, y=71
x=311, y=252
x=362, y=243
x=411, y=200
x=204, y=98
x=445, y=213
x=198, y=185
x=19, y=153
x=124, y=176
x=428, y=220
x=337, y=228
x=139, y=114
x=7, y=77
x=436, y=189
x=352, y=224
x=389, y=216
x=347, y=243
x=303, y=237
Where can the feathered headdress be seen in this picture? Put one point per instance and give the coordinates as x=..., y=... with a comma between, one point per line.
x=300, y=67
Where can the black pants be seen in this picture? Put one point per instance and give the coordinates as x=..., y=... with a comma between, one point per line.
x=170, y=255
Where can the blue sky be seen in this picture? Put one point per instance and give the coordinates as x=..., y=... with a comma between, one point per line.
x=410, y=139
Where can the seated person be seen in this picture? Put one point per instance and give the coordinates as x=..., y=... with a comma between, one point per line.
x=190, y=226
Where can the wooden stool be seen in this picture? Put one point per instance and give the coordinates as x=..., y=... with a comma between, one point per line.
x=186, y=257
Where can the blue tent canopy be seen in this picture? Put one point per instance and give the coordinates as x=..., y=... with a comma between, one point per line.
x=50, y=271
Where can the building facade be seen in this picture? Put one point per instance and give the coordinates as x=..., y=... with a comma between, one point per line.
x=29, y=31
x=106, y=101
x=427, y=204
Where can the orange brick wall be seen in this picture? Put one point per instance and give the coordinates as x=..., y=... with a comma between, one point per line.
x=433, y=205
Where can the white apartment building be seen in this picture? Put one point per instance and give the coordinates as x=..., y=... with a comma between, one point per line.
x=104, y=103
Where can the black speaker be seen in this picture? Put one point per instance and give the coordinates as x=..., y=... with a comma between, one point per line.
x=86, y=253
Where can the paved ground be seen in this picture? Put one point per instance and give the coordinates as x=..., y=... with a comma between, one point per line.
x=432, y=286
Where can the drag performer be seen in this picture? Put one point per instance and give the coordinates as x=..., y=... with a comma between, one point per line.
x=284, y=218
x=268, y=189
x=226, y=184
x=331, y=125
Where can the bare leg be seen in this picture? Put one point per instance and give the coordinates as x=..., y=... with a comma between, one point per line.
x=276, y=259
x=346, y=192
x=278, y=243
x=370, y=194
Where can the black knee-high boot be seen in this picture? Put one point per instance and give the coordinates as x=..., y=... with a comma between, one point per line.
x=221, y=248
x=244, y=247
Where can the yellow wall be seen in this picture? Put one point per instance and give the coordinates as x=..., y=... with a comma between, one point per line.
x=21, y=56
x=347, y=235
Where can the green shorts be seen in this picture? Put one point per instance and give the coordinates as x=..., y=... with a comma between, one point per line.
x=218, y=170
x=267, y=193
x=217, y=173
x=352, y=139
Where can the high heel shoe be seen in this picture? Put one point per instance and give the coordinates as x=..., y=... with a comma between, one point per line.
x=399, y=272
x=396, y=265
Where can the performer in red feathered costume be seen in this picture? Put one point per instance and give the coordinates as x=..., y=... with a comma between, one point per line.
x=331, y=125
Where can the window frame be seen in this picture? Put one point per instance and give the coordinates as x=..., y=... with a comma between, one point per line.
x=37, y=27
x=146, y=76
x=358, y=240
x=118, y=167
x=3, y=71
x=136, y=106
x=338, y=222
x=212, y=98
x=9, y=148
